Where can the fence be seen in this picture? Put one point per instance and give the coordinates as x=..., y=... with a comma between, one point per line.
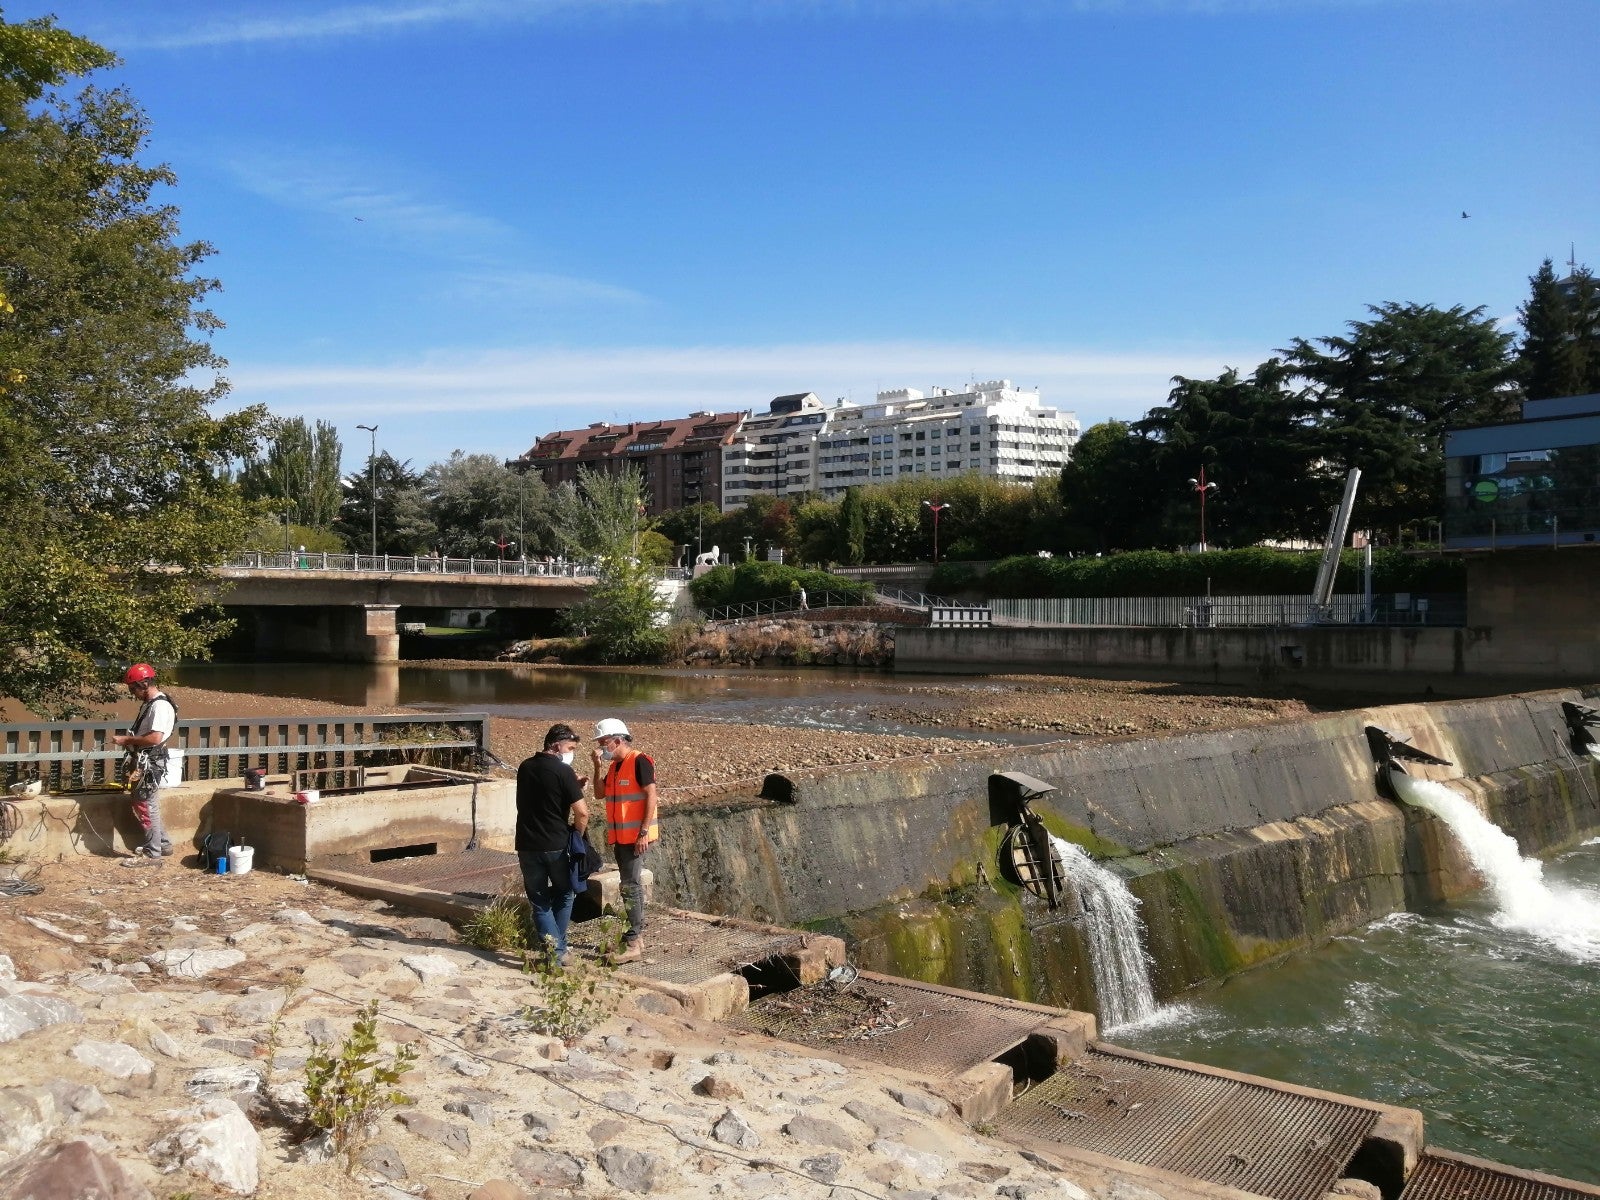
x=787, y=604
x=968, y=615
x=1206, y=612
x=909, y=599
x=79, y=755
x=423, y=564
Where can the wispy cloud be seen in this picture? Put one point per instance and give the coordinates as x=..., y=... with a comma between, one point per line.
x=371, y=20
x=539, y=287
x=311, y=183
x=567, y=388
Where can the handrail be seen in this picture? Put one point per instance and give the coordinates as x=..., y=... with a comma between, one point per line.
x=424, y=564
x=918, y=599
x=72, y=755
x=786, y=604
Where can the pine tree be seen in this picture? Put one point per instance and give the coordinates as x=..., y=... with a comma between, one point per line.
x=1550, y=356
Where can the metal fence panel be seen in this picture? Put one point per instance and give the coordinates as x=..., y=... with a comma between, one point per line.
x=73, y=755
x=1212, y=612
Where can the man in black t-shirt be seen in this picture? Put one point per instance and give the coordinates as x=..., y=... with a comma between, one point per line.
x=549, y=803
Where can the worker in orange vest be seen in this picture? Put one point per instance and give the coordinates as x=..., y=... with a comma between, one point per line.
x=625, y=779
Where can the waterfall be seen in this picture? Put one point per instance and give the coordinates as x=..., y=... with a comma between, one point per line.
x=1565, y=918
x=1115, y=935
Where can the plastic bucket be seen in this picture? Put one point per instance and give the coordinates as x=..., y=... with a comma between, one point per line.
x=241, y=859
x=309, y=796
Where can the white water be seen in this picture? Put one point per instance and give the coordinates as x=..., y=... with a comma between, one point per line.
x=1115, y=936
x=1566, y=918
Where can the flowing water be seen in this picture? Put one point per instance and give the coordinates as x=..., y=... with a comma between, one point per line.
x=1115, y=937
x=1482, y=1014
x=837, y=698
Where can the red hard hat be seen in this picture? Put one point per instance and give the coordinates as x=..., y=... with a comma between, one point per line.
x=138, y=673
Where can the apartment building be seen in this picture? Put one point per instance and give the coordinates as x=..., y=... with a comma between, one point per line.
x=991, y=429
x=681, y=459
x=774, y=454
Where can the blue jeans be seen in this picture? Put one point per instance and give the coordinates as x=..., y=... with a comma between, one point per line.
x=547, y=878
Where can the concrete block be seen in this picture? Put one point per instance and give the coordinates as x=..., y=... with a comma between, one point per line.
x=1399, y=1136
x=1066, y=1038
x=979, y=1093
x=812, y=962
x=605, y=888
x=709, y=1000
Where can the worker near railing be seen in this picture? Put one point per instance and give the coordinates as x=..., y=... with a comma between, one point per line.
x=626, y=780
x=152, y=766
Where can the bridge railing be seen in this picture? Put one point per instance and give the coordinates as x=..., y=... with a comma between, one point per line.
x=423, y=564
x=786, y=604
x=73, y=756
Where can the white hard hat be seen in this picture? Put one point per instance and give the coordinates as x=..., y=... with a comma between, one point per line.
x=610, y=727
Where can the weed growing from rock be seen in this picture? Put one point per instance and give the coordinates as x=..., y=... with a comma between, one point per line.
x=503, y=927
x=349, y=1091
x=572, y=999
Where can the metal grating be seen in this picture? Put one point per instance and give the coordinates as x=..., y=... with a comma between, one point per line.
x=1460, y=1178
x=477, y=874
x=1246, y=1136
x=681, y=949
x=900, y=1024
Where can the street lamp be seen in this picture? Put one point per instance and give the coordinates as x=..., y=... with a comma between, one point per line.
x=372, y=483
x=1201, y=487
x=935, y=507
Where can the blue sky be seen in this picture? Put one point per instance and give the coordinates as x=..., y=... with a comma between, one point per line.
x=473, y=221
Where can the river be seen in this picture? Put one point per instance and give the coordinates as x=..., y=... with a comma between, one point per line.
x=1489, y=1030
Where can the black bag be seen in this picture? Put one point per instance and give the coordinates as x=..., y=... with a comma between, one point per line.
x=213, y=847
x=583, y=860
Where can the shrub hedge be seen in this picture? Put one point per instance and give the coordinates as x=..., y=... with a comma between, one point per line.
x=751, y=581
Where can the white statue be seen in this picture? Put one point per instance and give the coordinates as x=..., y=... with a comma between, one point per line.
x=705, y=562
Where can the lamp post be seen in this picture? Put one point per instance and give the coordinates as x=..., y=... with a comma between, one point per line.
x=935, y=507
x=1201, y=487
x=372, y=483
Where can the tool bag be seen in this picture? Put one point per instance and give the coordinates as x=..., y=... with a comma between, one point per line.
x=213, y=847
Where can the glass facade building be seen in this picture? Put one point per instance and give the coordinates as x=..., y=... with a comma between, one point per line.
x=1533, y=482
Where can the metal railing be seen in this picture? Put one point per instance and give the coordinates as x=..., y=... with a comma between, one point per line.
x=902, y=598
x=968, y=615
x=787, y=604
x=1212, y=612
x=79, y=755
x=425, y=564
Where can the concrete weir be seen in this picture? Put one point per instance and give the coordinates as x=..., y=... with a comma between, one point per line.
x=1242, y=845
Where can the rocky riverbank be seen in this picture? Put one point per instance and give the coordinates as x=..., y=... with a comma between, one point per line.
x=698, y=757
x=156, y=1024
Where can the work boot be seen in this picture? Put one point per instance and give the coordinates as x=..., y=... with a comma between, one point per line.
x=631, y=951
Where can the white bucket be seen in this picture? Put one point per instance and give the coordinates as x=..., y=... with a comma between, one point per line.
x=241, y=859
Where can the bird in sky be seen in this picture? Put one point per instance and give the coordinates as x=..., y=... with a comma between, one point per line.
x=1464, y=215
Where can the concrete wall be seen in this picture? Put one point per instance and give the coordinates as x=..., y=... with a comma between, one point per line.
x=1243, y=844
x=324, y=633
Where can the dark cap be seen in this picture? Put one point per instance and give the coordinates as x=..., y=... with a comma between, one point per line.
x=560, y=733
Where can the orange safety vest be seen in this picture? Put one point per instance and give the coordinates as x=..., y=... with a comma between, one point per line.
x=625, y=802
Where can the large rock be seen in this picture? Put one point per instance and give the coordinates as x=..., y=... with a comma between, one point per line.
x=77, y=1099
x=733, y=1130
x=257, y=1006
x=8, y=969
x=26, y=1013
x=384, y=1159
x=216, y=1140
x=431, y=966
x=77, y=1170
x=27, y=1116
x=929, y=1168
x=225, y=1081
x=117, y=1059
x=632, y=1170
x=194, y=963
x=542, y=1168
x=819, y=1131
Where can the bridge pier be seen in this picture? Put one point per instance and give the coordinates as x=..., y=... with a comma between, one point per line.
x=365, y=633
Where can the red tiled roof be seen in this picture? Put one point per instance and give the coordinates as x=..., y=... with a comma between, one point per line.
x=602, y=441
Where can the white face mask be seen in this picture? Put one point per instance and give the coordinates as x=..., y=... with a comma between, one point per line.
x=566, y=757
x=607, y=754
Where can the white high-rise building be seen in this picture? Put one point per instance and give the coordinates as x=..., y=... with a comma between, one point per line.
x=992, y=429
x=803, y=448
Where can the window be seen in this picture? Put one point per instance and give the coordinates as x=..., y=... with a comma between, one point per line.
x=975, y=446
x=922, y=435
x=954, y=464
x=922, y=452
x=937, y=433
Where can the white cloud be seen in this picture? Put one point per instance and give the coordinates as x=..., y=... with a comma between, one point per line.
x=368, y=20
x=568, y=388
x=539, y=287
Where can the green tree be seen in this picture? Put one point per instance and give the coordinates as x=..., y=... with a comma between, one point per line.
x=404, y=523
x=1105, y=491
x=853, y=519
x=1385, y=394
x=298, y=472
x=113, y=472
x=599, y=518
x=1551, y=358
x=477, y=502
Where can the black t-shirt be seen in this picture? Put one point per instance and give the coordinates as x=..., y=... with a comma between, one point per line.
x=546, y=789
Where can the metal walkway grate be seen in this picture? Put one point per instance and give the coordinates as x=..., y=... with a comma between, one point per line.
x=681, y=949
x=1257, y=1139
x=476, y=874
x=900, y=1024
x=1460, y=1178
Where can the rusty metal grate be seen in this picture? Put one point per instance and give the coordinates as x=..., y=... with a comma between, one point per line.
x=477, y=874
x=682, y=949
x=1246, y=1136
x=900, y=1024
x=1453, y=1177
